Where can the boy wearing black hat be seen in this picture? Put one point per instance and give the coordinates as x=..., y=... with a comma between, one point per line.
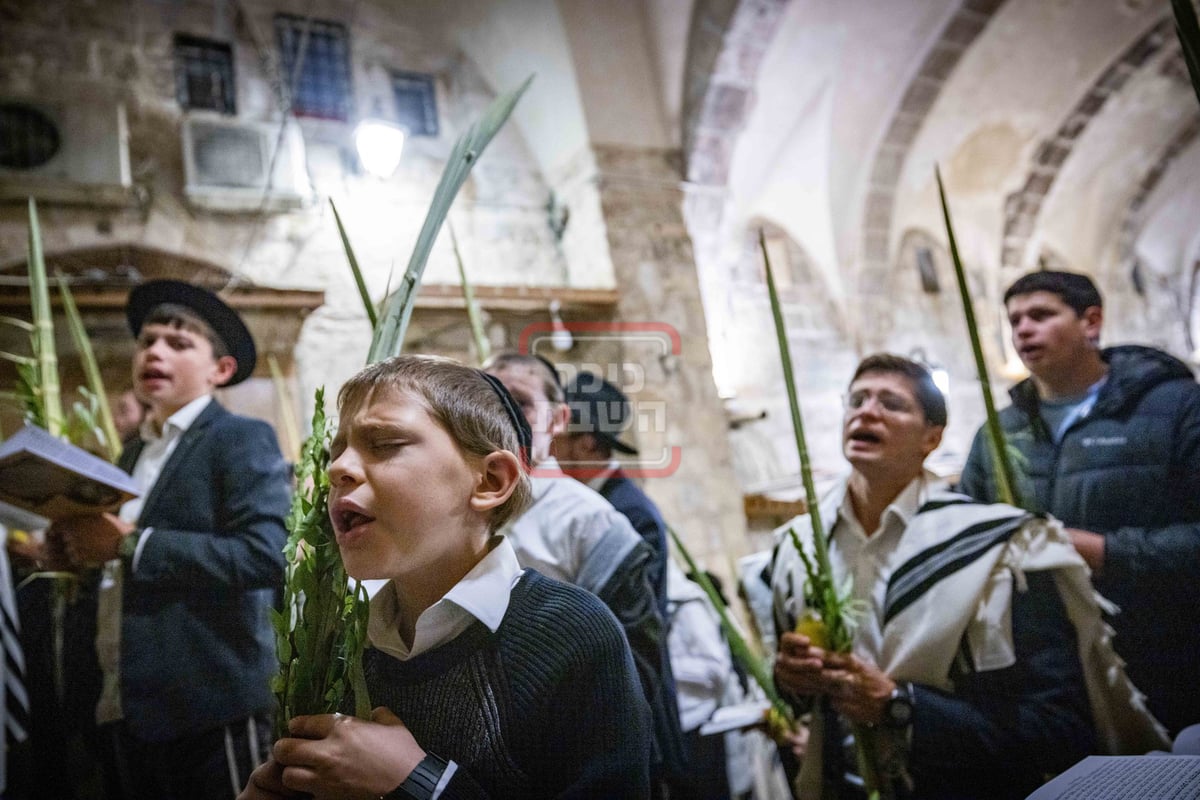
x=191, y=566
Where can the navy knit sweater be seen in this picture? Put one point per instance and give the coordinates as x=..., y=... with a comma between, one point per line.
x=548, y=706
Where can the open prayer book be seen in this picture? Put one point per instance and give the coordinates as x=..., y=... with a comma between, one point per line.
x=1126, y=778
x=55, y=479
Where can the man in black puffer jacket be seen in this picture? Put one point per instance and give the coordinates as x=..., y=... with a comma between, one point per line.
x=1111, y=440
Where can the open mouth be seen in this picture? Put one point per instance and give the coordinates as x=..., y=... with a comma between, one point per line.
x=154, y=375
x=865, y=436
x=346, y=517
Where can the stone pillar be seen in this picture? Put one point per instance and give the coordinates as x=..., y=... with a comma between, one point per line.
x=642, y=201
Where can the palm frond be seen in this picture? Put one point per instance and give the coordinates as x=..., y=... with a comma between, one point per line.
x=483, y=347
x=46, y=386
x=389, y=333
x=738, y=645
x=102, y=418
x=358, y=276
x=1002, y=468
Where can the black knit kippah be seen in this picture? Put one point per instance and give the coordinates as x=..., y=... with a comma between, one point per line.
x=524, y=432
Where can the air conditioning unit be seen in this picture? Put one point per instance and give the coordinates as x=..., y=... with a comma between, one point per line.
x=70, y=149
x=227, y=163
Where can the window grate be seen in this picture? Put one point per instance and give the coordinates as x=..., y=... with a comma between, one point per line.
x=416, y=102
x=204, y=74
x=322, y=88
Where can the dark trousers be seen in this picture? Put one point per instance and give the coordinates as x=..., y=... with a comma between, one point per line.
x=210, y=765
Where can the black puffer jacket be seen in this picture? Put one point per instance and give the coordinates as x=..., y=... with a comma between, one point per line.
x=1130, y=470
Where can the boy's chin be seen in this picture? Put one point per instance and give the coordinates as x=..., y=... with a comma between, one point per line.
x=360, y=569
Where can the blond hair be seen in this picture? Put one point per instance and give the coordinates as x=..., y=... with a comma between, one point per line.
x=461, y=400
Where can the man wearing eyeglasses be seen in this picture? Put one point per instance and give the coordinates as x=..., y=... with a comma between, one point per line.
x=978, y=656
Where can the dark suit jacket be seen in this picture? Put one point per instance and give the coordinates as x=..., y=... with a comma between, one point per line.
x=645, y=518
x=197, y=647
x=643, y=515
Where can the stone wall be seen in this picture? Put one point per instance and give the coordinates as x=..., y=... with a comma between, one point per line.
x=652, y=257
x=125, y=50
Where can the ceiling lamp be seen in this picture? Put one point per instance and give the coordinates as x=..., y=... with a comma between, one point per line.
x=379, y=146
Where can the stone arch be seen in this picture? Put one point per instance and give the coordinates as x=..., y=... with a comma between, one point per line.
x=1022, y=207
x=960, y=31
x=1146, y=186
x=726, y=45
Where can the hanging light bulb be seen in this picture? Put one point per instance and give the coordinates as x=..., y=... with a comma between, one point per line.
x=379, y=146
x=560, y=338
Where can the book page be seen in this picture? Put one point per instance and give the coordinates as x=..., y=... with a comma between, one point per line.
x=1164, y=777
x=55, y=479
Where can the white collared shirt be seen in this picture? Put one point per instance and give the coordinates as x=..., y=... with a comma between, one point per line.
x=559, y=533
x=482, y=594
x=869, y=559
x=157, y=449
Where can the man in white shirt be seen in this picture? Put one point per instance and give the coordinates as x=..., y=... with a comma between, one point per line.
x=973, y=682
x=190, y=567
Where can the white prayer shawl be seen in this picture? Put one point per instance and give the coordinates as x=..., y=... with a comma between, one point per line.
x=954, y=574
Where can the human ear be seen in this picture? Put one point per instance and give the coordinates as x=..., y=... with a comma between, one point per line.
x=560, y=418
x=933, y=437
x=223, y=370
x=499, y=472
x=1093, y=320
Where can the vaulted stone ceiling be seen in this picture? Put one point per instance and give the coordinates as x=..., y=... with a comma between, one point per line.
x=1065, y=130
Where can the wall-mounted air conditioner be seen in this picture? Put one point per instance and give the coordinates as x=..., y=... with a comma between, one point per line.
x=71, y=148
x=227, y=162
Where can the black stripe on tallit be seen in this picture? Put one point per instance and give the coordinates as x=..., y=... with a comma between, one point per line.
x=917, y=575
x=934, y=505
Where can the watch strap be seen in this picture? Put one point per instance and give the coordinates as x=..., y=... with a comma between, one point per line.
x=422, y=781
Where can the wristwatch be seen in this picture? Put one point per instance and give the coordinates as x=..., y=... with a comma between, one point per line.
x=898, y=710
x=422, y=781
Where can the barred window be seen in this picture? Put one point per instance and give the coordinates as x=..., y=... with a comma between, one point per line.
x=204, y=74
x=322, y=87
x=416, y=102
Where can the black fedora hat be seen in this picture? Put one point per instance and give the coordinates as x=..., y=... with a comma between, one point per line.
x=224, y=321
x=599, y=408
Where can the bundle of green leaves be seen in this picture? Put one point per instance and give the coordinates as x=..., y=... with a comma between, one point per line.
x=321, y=630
